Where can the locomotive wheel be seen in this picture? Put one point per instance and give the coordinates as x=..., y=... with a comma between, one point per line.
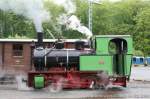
x=103, y=80
x=96, y=85
x=99, y=81
x=56, y=86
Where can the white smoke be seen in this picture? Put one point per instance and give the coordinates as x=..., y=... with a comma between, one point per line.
x=74, y=23
x=68, y=5
x=71, y=22
x=31, y=9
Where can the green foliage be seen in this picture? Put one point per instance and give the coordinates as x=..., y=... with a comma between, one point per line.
x=12, y=24
x=124, y=17
x=138, y=53
x=16, y=36
x=72, y=34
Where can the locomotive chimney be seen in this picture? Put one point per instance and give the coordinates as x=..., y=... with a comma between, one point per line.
x=40, y=38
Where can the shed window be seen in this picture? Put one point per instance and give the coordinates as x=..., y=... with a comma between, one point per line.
x=134, y=59
x=17, y=50
x=141, y=59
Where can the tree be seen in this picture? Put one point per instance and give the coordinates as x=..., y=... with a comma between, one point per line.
x=142, y=31
x=124, y=17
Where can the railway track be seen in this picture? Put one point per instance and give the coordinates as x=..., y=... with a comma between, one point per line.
x=135, y=90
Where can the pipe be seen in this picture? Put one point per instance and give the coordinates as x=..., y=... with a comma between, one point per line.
x=40, y=38
x=50, y=34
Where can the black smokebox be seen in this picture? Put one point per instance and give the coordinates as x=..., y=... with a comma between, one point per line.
x=40, y=38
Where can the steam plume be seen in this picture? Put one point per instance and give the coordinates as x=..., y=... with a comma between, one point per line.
x=74, y=23
x=68, y=5
x=71, y=21
x=31, y=9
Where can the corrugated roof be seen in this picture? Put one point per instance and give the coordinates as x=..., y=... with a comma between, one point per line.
x=113, y=36
x=35, y=40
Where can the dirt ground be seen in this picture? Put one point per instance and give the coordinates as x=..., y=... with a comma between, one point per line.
x=136, y=89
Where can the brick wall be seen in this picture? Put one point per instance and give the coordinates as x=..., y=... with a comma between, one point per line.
x=17, y=63
x=1, y=64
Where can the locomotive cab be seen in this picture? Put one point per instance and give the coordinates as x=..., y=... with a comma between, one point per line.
x=112, y=54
